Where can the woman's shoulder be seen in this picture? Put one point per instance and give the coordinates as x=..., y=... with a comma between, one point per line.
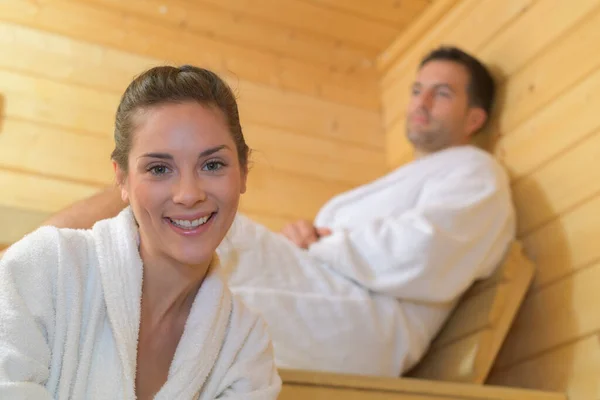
x=47, y=247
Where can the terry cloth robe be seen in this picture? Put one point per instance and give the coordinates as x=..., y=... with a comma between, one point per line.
x=70, y=315
x=370, y=298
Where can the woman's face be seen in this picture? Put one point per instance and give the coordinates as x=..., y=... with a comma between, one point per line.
x=184, y=181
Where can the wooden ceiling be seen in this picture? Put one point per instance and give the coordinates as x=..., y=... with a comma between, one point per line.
x=345, y=35
x=350, y=32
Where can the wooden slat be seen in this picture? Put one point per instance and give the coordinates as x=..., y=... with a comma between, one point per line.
x=76, y=156
x=542, y=136
x=139, y=36
x=272, y=222
x=81, y=108
x=279, y=193
x=16, y=222
x=530, y=31
x=573, y=369
x=556, y=315
x=241, y=29
x=567, y=244
x=402, y=388
x=299, y=392
x=39, y=194
x=470, y=359
x=66, y=106
x=57, y=153
x=395, y=13
x=424, y=22
x=310, y=17
x=475, y=314
x=431, y=38
x=559, y=185
x=567, y=62
x=298, y=154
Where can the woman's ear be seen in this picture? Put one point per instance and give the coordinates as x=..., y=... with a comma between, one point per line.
x=121, y=178
x=244, y=172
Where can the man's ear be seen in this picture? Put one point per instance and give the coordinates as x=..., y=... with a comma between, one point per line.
x=476, y=120
x=121, y=178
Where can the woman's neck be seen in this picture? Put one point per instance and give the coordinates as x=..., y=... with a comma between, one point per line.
x=168, y=287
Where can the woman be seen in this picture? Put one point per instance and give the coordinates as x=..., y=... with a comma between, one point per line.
x=134, y=307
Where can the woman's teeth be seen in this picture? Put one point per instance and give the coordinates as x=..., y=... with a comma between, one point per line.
x=187, y=224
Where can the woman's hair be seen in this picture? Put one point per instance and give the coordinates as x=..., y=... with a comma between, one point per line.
x=167, y=84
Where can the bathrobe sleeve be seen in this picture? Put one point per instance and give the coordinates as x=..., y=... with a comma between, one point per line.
x=26, y=316
x=252, y=375
x=457, y=232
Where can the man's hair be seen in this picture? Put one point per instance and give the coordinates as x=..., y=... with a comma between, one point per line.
x=481, y=89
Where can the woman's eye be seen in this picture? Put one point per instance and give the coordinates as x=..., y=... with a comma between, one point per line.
x=213, y=165
x=158, y=170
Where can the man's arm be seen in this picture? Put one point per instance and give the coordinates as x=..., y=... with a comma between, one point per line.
x=85, y=213
x=457, y=233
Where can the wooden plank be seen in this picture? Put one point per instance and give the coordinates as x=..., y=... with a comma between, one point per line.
x=566, y=63
x=473, y=315
x=273, y=222
x=245, y=30
x=556, y=315
x=529, y=35
x=298, y=392
x=430, y=39
x=289, y=156
x=56, y=153
x=54, y=103
x=407, y=387
x=75, y=156
x=573, y=369
x=392, y=12
x=303, y=114
x=83, y=108
x=542, y=136
x=485, y=18
x=567, y=244
x=16, y=222
x=413, y=33
x=305, y=16
x=471, y=358
x=559, y=185
x=99, y=26
x=279, y=193
x=25, y=191
x=61, y=58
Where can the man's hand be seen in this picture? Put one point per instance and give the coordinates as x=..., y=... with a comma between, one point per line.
x=302, y=233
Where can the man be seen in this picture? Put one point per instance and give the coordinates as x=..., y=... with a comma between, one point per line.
x=367, y=285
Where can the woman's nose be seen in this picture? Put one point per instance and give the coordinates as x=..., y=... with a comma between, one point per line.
x=189, y=190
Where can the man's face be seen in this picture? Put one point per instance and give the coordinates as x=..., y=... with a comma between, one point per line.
x=439, y=115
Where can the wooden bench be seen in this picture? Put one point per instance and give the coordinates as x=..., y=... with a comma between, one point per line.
x=459, y=358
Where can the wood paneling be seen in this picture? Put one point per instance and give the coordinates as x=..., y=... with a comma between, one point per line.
x=572, y=368
x=143, y=36
x=546, y=133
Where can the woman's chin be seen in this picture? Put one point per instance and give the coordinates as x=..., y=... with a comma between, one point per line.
x=193, y=259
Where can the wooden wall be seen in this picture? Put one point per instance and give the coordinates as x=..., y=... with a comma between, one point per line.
x=308, y=97
x=547, y=134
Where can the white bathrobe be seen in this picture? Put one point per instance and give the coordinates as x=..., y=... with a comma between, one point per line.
x=69, y=321
x=369, y=298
